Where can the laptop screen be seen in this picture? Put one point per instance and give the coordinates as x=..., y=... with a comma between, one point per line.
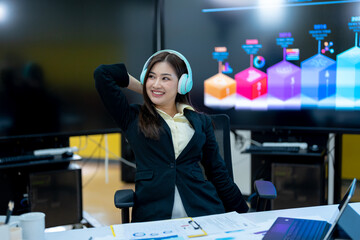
x=343, y=203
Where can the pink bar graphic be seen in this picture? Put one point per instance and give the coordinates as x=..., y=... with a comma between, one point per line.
x=251, y=83
x=251, y=41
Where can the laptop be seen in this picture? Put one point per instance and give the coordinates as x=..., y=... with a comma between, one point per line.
x=295, y=228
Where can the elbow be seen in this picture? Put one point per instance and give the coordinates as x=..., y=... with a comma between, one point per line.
x=99, y=71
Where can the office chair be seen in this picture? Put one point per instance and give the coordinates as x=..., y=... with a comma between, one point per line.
x=265, y=191
x=123, y=199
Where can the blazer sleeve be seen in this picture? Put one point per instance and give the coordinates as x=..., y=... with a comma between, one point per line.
x=109, y=79
x=217, y=173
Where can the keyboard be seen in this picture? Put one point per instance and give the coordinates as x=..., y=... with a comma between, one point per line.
x=24, y=158
x=297, y=229
x=254, y=148
x=305, y=229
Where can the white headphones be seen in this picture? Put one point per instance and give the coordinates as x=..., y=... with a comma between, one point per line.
x=185, y=81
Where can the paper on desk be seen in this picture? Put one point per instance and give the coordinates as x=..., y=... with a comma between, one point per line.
x=253, y=232
x=234, y=236
x=174, y=228
x=110, y=237
x=224, y=223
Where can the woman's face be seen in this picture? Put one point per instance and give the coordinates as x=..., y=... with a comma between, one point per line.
x=162, y=85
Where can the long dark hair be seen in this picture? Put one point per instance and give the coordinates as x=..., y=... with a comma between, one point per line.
x=149, y=119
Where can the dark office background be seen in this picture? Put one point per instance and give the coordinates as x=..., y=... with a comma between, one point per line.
x=48, y=52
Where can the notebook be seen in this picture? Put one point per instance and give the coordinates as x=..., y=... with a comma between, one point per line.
x=295, y=228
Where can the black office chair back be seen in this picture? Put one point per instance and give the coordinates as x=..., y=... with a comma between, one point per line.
x=221, y=124
x=265, y=190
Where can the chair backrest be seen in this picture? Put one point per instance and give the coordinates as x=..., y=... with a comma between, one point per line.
x=265, y=190
x=222, y=134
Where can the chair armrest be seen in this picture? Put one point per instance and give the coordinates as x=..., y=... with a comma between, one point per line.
x=265, y=189
x=124, y=198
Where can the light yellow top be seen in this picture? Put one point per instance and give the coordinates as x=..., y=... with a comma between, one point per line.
x=181, y=133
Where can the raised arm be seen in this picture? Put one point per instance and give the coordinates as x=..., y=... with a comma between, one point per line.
x=109, y=80
x=134, y=85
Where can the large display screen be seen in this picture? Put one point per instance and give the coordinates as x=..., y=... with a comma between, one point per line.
x=48, y=53
x=286, y=64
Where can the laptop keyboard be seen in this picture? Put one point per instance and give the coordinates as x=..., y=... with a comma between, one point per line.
x=302, y=229
x=305, y=229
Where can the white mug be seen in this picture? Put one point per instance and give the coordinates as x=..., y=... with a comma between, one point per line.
x=15, y=233
x=10, y=231
x=4, y=231
x=33, y=225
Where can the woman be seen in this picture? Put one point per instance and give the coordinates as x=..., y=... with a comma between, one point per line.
x=173, y=144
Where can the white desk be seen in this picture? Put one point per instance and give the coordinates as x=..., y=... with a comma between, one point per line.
x=325, y=212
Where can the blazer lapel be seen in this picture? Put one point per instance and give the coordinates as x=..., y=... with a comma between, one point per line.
x=167, y=132
x=196, y=123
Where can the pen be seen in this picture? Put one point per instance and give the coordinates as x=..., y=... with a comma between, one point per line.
x=9, y=211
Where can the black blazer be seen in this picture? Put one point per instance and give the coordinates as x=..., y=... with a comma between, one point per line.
x=157, y=169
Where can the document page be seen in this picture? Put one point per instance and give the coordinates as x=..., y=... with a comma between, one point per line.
x=174, y=228
x=224, y=223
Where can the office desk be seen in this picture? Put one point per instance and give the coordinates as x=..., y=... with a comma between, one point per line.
x=325, y=212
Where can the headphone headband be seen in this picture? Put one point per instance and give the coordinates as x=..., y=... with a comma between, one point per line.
x=185, y=81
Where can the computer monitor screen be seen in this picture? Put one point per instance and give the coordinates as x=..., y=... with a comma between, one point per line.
x=286, y=64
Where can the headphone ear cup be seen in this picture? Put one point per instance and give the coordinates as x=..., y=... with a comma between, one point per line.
x=185, y=84
x=142, y=76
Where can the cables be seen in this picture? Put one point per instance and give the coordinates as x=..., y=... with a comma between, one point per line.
x=113, y=154
x=106, y=159
x=96, y=169
x=330, y=148
x=241, y=140
x=92, y=154
x=80, y=148
x=98, y=149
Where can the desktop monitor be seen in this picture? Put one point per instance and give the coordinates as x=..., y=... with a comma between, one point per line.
x=58, y=194
x=286, y=64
